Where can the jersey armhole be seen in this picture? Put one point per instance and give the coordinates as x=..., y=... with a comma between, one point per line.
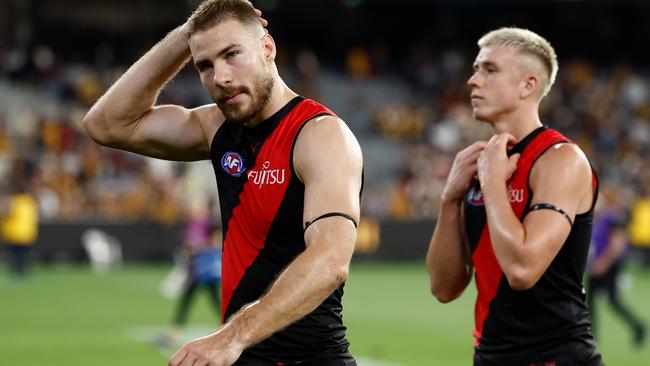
x=295, y=139
x=214, y=138
x=530, y=171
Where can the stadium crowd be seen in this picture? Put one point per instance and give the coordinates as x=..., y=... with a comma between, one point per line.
x=411, y=117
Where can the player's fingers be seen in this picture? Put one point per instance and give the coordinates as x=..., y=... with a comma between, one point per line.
x=514, y=158
x=508, y=139
x=263, y=21
x=491, y=143
x=477, y=146
x=472, y=149
x=470, y=170
x=190, y=360
x=482, y=158
x=203, y=363
x=178, y=357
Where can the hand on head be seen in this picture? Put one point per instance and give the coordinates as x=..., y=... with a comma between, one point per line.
x=263, y=21
x=185, y=27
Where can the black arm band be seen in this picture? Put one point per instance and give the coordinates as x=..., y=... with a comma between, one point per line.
x=330, y=214
x=548, y=206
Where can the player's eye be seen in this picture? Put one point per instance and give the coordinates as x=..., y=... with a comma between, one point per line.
x=202, y=66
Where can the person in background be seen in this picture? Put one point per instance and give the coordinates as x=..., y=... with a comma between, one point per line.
x=607, y=257
x=202, y=252
x=19, y=220
x=639, y=224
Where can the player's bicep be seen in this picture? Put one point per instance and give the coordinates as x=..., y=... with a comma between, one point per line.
x=175, y=133
x=328, y=160
x=560, y=183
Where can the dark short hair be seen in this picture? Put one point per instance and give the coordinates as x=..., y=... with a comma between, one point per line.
x=213, y=12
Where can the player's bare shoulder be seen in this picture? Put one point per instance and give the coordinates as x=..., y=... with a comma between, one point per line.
x=327, y=130
x=326, y=139
x=565, y=158
x=209, y=118
x=564, y=169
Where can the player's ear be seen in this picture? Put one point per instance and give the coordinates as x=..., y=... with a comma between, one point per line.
x=528, y=86
x=269, y=48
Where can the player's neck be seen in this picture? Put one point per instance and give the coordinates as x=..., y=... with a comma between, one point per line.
x=519, y=123
x=280, y=96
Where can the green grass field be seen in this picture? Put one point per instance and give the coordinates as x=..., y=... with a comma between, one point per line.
x=70, y=316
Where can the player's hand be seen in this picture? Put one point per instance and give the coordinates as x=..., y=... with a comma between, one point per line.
x=462, y=172
x=263, y=21
x=216, y=349
x=494, y=165
x=185, y=29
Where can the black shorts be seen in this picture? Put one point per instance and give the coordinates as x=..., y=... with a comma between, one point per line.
x=578, y=353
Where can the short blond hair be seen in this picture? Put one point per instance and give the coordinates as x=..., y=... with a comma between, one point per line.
x=529, y=43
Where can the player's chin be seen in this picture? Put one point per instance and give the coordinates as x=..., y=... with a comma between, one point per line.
x=481, y=116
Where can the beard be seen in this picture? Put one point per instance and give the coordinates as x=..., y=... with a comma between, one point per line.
x=262, y=85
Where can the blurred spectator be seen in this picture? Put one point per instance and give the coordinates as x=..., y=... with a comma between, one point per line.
x=607, y=256
x=201, y=251
x=408, y=110
x=19, y=221
x=639, y=227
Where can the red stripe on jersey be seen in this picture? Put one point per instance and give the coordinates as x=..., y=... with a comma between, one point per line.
x=488, y=276
x=488, y=272
x=261, y=197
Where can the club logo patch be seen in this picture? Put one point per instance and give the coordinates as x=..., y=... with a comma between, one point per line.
x=233, y=164
x=475, y=196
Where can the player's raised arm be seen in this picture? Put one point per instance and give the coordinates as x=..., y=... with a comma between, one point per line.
x=125, y=116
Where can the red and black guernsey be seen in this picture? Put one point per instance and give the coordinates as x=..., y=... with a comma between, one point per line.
x=262, y=203
x=548, y=323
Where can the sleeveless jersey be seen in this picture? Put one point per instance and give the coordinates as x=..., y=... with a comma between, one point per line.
x=537, y=325
x=262, y=201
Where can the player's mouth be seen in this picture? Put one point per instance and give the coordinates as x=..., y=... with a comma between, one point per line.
x=232, y=99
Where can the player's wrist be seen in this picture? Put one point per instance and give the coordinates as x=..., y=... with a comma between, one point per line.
x=450, y=199
x=184, y=30
x=449, y=203
x=493, y=189
x=243, y=328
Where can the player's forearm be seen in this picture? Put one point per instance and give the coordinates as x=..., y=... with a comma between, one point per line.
x=302, y=286
x=135, y=92
x=506, y=232
x=447, y=258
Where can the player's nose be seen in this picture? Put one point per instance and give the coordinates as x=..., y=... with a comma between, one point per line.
x=222, y=77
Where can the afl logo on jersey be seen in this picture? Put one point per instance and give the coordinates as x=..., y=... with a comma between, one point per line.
x=233, y=163
x=475, y=196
